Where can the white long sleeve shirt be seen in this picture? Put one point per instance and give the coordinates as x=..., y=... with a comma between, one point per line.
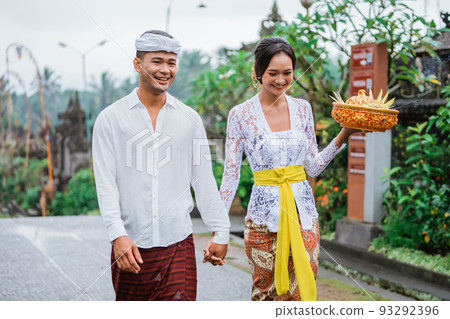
x=144, y=176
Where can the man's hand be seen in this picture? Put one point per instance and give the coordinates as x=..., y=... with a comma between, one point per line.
x=215, y=253
x=127, y=254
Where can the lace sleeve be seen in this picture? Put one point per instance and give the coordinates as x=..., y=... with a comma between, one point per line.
x=316, y=162
x=233, y=157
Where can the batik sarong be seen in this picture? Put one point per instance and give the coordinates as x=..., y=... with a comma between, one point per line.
x=260, y=247
x=168, y=273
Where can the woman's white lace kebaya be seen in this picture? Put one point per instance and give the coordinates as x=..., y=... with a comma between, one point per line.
x=249, y=132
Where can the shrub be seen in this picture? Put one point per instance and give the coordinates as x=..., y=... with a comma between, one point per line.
x=32, y=197
x=81, y=188
x=80, y=197
x=62, y=205
x=417, y=200
x=331, y=203
x=19, y=182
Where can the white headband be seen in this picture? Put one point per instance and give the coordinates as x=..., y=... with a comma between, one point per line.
x=154, y=42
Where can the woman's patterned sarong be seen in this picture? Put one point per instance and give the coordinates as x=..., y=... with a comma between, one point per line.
x=168, y=273
x=260, y=246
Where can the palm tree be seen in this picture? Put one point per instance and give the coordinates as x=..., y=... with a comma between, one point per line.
x=51, y=87
x=191, y=64
x=128, y=85
x=104, y=91
x=50, y=82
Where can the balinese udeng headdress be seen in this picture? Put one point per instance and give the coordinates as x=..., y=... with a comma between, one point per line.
x=150, y=42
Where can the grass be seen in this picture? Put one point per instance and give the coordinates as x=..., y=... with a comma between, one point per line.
x=374, y=281
x=333, y=289
x=327, y=235
x=414, y=257
x=93, y=213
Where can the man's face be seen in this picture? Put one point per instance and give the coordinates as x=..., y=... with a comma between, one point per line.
x=157, y=70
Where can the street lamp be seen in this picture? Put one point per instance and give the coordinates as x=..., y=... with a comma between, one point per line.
x=83, y=64
x=202, y=5
x=307, y=3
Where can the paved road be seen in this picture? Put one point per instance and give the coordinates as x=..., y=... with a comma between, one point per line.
x=67, y=258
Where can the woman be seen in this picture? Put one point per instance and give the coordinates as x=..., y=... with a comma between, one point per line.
x=277, y=134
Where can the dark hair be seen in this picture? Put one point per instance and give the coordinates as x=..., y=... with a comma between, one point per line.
x=141, y=54
x=266, y=49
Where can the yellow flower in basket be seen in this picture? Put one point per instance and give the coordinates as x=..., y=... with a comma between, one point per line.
x=364, y=112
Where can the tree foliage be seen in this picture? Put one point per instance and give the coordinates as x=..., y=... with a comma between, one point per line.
x=217, y=91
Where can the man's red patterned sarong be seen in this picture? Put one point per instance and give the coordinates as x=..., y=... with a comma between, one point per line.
x=168, y=273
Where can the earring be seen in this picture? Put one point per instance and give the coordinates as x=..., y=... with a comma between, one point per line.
x=255, y=79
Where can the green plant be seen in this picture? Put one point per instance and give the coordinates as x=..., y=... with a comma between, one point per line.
x=32, y=196
x=81, y=188
x=80, y=197
x=417, y=200
x=414, y=257
x=62, y=205
x=19, y=182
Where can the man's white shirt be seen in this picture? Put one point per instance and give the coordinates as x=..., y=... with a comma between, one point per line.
x=144, y=176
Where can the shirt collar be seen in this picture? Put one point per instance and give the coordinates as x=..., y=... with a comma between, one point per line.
x=133, y=100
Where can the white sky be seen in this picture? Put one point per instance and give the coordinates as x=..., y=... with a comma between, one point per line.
x=41, y=24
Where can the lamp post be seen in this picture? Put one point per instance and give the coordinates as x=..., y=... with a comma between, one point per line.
x=202, y=5
x=169, y=7
x=83, y=65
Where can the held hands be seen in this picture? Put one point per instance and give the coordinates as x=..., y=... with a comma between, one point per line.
x=127, y=254
x=215, y=253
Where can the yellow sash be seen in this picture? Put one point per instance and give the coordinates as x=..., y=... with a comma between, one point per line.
x=289, y=234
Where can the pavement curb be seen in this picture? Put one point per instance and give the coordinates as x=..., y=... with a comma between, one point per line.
x=406, y=279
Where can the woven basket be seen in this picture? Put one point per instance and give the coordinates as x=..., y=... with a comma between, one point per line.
x=363, y=117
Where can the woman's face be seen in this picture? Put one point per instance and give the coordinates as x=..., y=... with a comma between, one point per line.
x=278, y=75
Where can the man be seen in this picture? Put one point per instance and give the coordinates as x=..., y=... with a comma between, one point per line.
x=147, y=153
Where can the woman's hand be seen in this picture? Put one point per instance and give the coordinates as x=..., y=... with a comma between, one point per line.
x=349, y=131
x=215, y=253
x=344, y=134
